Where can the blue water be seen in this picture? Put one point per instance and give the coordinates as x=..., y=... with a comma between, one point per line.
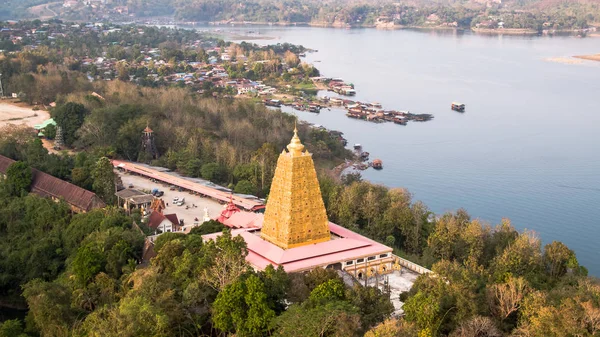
x=527, y=147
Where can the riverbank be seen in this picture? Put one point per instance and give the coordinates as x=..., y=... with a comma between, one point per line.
x=379, y=25
x=594, y=57
x=505, y=31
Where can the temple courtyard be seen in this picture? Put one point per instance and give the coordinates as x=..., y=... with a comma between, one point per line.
x=187, y=214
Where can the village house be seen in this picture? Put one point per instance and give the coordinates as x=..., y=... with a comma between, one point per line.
x=163, y=223
x=131, y=199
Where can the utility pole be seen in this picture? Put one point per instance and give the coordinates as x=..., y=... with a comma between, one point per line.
x=1, y=89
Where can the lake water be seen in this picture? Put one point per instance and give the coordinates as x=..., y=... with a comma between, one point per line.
x=527, y=147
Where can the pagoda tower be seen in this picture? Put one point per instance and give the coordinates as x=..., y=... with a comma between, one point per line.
x=148, y=145
x=59, y=142
x=295, y=213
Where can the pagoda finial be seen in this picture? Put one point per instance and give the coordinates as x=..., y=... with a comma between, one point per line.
x=295, y=146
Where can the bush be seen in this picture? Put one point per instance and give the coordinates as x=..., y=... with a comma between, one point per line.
x=244, y=187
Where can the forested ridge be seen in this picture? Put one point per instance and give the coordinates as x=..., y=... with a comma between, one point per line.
x=82, y=275
x=537, y=15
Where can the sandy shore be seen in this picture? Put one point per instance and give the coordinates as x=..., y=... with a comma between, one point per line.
x=565, y=60
x=11, y=113
x=595, y=57
x=505, y=31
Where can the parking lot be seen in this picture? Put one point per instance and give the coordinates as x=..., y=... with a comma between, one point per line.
x=186, y=212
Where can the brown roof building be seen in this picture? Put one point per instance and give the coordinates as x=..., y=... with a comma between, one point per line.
x=45, y=185
x=163, y=222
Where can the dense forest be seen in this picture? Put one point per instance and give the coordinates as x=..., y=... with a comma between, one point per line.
x=82, y=275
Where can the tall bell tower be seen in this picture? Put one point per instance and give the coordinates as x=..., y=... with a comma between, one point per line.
x=148, y=144
x=295, y=213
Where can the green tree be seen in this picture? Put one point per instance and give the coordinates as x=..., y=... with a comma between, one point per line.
x=522, y=258
x=423, y=309
x=69, y=117
x=244, y=187
x=331, y=290
x=104, y=180
x=208, y=227
x=558, y=258
x=88, y=262
x=212, y=172
x=12, y=328
x=374, y=306
x=50, y=131
x=332, y=319
x=227, y=256
x=49, y=307
x=266, y=157
x=242, y=307
x=18, y=178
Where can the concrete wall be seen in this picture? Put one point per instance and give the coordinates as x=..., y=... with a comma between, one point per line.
x=411, y=266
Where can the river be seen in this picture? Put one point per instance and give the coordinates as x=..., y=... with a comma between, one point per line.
x=527, y=148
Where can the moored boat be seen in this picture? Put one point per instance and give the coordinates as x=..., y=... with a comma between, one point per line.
x=460, y=107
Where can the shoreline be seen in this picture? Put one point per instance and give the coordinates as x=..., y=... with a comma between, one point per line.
x=591, y=57
x=388, y=26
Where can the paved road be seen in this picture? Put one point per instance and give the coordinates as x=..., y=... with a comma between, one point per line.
x=188, y=215
x=214, y=193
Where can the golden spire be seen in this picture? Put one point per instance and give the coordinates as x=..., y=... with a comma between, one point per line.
x=295, y=214
x=295, y=146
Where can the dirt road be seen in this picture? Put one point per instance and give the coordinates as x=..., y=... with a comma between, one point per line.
x=12, y=114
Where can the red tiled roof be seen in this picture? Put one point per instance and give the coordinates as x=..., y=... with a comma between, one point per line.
x=173, y=218
x=155, y=219
x=5, y=163
x=230, y=210
x=346, y=245
x=49, y=186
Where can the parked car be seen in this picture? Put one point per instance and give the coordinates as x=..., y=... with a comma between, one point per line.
x=130, y=186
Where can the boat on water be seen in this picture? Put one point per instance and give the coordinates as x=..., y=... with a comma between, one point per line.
x=273, y=102
x=460, y=107
x=377, y=164
x=357, y=146
x=400, y=120
x=314, y=108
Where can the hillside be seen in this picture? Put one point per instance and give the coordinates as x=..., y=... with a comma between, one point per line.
x=530, y=15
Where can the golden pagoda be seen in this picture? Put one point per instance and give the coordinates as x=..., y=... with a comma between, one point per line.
x=295, y=214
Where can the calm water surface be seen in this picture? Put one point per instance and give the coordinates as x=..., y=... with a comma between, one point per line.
x=527, y=148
